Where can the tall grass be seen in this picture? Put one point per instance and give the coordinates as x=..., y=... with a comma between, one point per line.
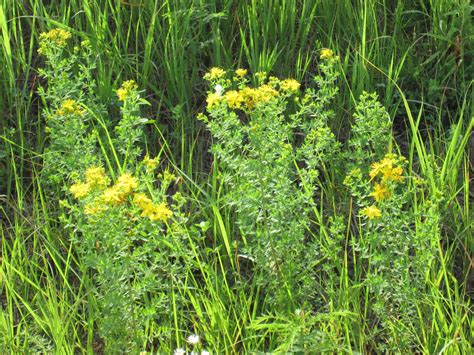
x=418, y=56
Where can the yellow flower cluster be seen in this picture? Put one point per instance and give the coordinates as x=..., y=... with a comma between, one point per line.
x=214, y=73
x=149, y=209
x=248, y=97
x=56, y=36
x=70, y=107
x=234, y=99
x=213, y=99
x=290, y=85
x=80, y=189
x=326, y=53
x=95, y=178
x=127, y=87
x=372, y=212
x=380, y=192
x=150, y=163
x=118, y=193
x=241, y=72
x=388, y=169
x=125, y=186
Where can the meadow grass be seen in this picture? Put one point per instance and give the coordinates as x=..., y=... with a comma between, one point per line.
x=417, y=56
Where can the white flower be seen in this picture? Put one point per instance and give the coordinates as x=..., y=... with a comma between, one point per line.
x=205, y=352
x=193, y=339
x=179, y=351
x=219, y=89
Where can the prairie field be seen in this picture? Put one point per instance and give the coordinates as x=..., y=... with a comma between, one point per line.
x=236, y=177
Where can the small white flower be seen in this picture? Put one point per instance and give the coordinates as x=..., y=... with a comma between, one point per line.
x=219, y=89
x=193, y=339
x=179, y=351
x=205, y=352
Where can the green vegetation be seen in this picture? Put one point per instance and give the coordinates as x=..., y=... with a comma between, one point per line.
x=269, y=175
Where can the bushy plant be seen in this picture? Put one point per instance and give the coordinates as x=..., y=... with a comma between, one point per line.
x=128, y=232
x=271, y=143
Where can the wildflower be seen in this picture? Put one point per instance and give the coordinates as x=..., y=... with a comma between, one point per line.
x=179, y=351
x=372, y=212
x=126, y=88
x=127, y=183
x=56, y=36
x=326, y=53
x=150, y=163
x=149, y=209
x=394, y=174
x=193, y=339
x=234, y=99
x=157, y=212
x=70, y=107
x=266, y=92
x=80, y=189
x=387, y=169
x=214, y=73
x=141, y=200
x=290, y=85
x=213, y=100
x=205, y=352
x=117, y=194
x=113, y=196
x=380, y=192
x=95, y=177
x=241, y=72
x=249, y=94
x=252, y=96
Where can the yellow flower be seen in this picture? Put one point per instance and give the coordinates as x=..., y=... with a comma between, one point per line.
x=265, y=93
x=372, y=212
x=70, y=107
x=117, y=194
x=394, y=174
x=141, y=200
x=381, y=166
x=126, y=88
x=241, y=72
x=387, y=169
x=213, y=99
x=290, y=85
x=157, y=213
x=95, y=177
x=113, y=196
x=380, y=192
x=214, y=73
x=56, y=36
x=127, y=183
x=80, y=189
x=234, y=99
x=149, y=209
x=248, y=94
x=326, y=53
x=150, y=163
